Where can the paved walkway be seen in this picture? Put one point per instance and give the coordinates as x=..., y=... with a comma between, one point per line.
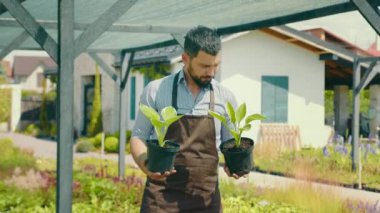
x=48, y=149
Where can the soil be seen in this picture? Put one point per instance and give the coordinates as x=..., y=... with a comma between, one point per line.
x=230, y=145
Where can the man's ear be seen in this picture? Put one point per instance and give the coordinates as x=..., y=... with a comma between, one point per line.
x=185, y=58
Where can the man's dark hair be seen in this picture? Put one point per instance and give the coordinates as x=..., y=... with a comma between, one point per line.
x=202, y=38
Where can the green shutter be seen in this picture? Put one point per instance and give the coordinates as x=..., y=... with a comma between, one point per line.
x=133, y=98
x=146, y=80
x=275, y=98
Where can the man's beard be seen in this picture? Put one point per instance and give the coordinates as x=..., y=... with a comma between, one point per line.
x=198, y=80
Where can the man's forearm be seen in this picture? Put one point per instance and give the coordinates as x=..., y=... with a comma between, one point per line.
x=139, y=152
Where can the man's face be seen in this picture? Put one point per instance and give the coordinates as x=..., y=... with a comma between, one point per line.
x=202, y=68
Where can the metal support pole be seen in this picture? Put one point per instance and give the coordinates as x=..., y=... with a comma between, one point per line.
x=123, y=115
x=65, y=105
x=355, y=115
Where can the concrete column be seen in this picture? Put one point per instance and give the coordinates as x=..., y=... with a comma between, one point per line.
x=374, y=108
x=341, y=109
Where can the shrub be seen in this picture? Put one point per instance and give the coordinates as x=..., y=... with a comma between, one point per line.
x=53, y=130
x=32, y=129
x=84, y=146
x=97, y=140
x=95, y=125
x=128, y=135
x=111, y=144
x=5, y=104
x=11, y=157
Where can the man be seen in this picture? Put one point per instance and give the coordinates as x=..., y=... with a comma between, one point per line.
x=192, y=186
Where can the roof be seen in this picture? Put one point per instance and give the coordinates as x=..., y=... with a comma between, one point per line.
x=373, y=49
x=337, y=52
x=25, y=65
x=162, y=54
x=151, y=22
x=326, y=35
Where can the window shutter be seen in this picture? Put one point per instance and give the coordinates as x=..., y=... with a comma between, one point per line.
x=133, y=98
x=275, y=98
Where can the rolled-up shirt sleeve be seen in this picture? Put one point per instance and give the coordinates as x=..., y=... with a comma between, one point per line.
x=143, y=128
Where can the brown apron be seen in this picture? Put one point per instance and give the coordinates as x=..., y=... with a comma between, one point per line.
x=194, y=188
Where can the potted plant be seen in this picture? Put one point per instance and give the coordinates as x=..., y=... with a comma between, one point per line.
x=161, y=152
x=237, y=151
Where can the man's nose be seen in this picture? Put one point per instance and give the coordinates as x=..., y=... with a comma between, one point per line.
x=211, y=71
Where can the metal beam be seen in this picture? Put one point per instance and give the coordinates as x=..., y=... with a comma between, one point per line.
x=368, y=59
x=123, y=115
x=14, y=44
x=180, y=38
x=150, y=46
x=3, y=9
x=355, y=116
x=98, y=27
x=116, y=27
x=130, y=63
x=65, y=105
x=369, y=74
x=368, y=12
x=32, y=27
x=328, y=56
x=105, y=68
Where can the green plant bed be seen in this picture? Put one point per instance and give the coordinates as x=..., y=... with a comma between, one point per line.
x=97, y=191
x=12, y=157
x=312, y=164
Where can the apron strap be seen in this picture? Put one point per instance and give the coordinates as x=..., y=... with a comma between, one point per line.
x=175, y=92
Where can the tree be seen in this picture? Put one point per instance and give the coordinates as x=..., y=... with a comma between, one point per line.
x=3, y=76
x=96, y=124
x=44, y=123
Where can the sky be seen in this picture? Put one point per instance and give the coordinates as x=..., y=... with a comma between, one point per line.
x=351, y=26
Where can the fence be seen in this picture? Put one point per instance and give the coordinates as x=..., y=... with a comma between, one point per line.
x=280, y=136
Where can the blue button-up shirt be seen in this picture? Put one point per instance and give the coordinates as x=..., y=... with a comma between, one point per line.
x=158, y=94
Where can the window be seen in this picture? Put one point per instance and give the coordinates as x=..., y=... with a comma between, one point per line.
x=133, y=98
x=275, y=98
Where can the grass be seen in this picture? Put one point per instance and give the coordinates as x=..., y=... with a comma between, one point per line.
x=12, y=157
x=312, y=164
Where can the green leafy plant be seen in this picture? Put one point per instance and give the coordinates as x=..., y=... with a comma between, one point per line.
x=236, y=117
x=95, y=126
x=169, y=116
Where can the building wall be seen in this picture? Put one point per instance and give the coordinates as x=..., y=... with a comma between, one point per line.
x=31, y=82
x=84, y=70
x=16, y=104
x=247, y=58
x=175, y=67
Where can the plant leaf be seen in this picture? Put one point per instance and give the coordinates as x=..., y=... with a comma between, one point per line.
x=157, y=123
x=149, y=112
x=218, y=116
x=168, y=113
x=240, y=113
x=254, y=117
x=245, y=128
x=231, y=112
x=171, y=120
x=235, y=135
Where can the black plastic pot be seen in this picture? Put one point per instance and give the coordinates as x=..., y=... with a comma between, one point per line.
x=238, y=160
x=161, y=159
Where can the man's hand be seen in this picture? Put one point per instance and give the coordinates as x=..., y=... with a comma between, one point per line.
x=232, y=175
x=139, y=153
x=156, y=175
